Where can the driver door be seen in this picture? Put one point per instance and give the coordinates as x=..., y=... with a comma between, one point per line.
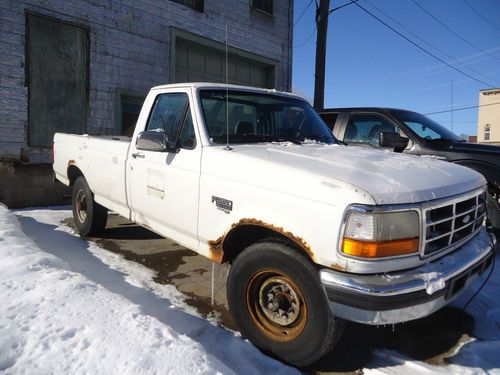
x=164, y=185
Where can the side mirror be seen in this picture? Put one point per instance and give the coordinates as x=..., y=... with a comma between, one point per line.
x=392, y=140
x=151, y=140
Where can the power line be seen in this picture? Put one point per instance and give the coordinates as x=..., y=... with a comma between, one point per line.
x=308, y=38
x=481, y=16
x=462, y=108
x=422, y=40
x=420, y=47
x=315, y=26
x=453, y=32
x=342, y=6
x=303, y=12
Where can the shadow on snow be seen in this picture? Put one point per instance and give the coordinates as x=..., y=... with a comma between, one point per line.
x=217, y=341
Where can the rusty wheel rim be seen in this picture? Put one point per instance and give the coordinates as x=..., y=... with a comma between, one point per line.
x=276, y=305
x=81, y=206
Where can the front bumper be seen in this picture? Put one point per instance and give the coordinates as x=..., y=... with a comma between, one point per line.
x=410, y=294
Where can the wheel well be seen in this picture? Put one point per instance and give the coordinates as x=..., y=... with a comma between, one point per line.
x=244, y=235
x=73, y=173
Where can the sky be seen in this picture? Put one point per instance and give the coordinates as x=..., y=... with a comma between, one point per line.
x=367, y=64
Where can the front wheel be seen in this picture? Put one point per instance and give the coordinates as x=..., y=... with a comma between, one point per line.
x=89, y=216
x=276, y=299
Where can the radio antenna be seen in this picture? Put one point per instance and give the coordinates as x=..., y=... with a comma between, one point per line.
x=227, y=101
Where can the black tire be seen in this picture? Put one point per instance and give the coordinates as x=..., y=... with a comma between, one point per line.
x=89, y=216
x=273, y=274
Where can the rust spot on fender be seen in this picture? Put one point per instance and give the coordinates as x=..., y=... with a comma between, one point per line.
x=71, y=162
x=338, y=267
x=217, y=247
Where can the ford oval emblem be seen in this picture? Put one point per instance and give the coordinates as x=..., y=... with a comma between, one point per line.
x=466, y=219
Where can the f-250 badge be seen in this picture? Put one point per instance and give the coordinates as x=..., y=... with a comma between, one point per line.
x=223, y=204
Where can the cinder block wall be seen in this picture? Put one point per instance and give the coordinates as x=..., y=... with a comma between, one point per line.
x=129, y=53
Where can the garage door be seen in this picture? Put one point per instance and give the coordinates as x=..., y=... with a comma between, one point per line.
x=195, y=63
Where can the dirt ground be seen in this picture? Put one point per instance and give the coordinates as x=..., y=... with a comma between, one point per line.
x=432, y=339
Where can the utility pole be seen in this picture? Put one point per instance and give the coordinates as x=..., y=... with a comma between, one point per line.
x=319, y=75
x=451, y=111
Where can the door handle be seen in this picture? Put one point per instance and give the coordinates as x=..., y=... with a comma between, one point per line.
x=138, y=155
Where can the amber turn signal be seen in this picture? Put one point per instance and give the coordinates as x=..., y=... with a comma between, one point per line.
x=365, y=249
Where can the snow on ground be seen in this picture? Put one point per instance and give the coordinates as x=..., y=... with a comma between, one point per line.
x=479, y=355
x=70, y=307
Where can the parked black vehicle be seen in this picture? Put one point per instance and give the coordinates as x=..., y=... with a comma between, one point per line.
x=413, y=133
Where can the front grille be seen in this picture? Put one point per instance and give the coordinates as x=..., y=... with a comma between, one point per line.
x=452, y=222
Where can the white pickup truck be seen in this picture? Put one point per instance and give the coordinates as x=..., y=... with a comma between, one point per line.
x=315, y=232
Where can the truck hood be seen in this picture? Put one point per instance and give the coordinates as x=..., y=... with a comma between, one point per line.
x=388, y=177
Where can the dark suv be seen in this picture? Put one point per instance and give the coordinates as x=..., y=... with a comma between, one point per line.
x=413, y=133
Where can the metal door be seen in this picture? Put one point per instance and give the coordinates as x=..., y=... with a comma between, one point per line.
x=57, y=79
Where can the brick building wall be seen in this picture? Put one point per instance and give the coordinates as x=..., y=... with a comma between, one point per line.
x=129, y=52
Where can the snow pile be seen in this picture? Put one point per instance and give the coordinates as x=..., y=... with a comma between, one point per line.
x=69, y=306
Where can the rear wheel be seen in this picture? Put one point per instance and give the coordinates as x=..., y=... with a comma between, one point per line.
x=89, y=216
x=276, y=298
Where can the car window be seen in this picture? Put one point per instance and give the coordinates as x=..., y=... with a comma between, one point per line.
x=187, y=139
x=365, y=128
x=330, y=119
x=426, y=128
x=168, y=114
x=253, y=117
x=422, y=131
x=237, y=113
x=171, y=113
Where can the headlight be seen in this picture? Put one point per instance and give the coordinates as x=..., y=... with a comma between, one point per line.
x=376, y=235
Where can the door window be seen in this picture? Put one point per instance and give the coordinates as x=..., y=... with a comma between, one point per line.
x=168, y=114
x=365, y=128
x=187, y=138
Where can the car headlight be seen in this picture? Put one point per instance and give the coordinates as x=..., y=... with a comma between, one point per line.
x=385, y=234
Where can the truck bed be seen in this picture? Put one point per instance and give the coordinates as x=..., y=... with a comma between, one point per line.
x=102, y=159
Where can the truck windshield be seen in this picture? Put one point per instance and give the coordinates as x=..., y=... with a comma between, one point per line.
x=426, y=128
x=254, y=117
